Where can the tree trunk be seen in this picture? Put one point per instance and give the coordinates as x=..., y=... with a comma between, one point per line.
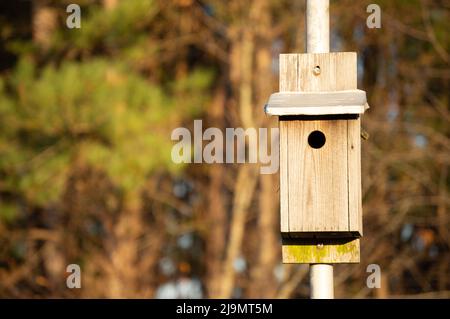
x=243, y=194
x=123, y=252
x=263, y=278
x=44, y=23
x=216, y=212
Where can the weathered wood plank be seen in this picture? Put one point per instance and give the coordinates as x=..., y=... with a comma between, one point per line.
x=354, y=177
x=337, y=71
x=284, y=192
x=288, y=82
x=318, y=189
x=317, y=103
x=333, y=251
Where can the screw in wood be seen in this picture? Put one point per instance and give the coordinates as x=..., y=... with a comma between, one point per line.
x=316, y=70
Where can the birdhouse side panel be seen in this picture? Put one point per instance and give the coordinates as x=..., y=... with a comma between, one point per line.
x=354, y=177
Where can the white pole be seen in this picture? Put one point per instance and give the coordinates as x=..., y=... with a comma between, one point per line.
x=317, y=26
x=321, y=281
x=318, y=41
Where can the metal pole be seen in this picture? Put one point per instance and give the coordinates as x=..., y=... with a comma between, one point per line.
x=318, y=41
x=317, y=26
x=321, y=281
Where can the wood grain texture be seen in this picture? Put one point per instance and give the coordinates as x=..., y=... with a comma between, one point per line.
x=337, y=71
x=288, y=83
x=284, y=191
x=354, y=177
x=318, y=189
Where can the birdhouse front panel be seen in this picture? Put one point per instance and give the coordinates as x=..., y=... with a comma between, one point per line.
x=320, y=159
x=324, y=184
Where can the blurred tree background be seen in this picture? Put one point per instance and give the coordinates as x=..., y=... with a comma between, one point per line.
x=85, y=170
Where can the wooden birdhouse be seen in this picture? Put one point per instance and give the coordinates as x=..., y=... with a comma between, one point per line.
x=319, y=109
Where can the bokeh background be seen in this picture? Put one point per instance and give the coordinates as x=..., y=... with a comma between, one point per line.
x=86, y=175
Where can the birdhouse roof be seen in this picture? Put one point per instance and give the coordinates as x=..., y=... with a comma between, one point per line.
x=317, y=103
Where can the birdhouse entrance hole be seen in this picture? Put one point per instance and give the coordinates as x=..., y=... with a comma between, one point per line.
x=316, y=139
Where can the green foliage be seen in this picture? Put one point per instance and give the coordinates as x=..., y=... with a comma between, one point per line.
x=121, y=28
x=8, y=211
x=98, y=112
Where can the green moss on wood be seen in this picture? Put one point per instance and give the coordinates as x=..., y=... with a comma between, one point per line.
x=303, y=252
